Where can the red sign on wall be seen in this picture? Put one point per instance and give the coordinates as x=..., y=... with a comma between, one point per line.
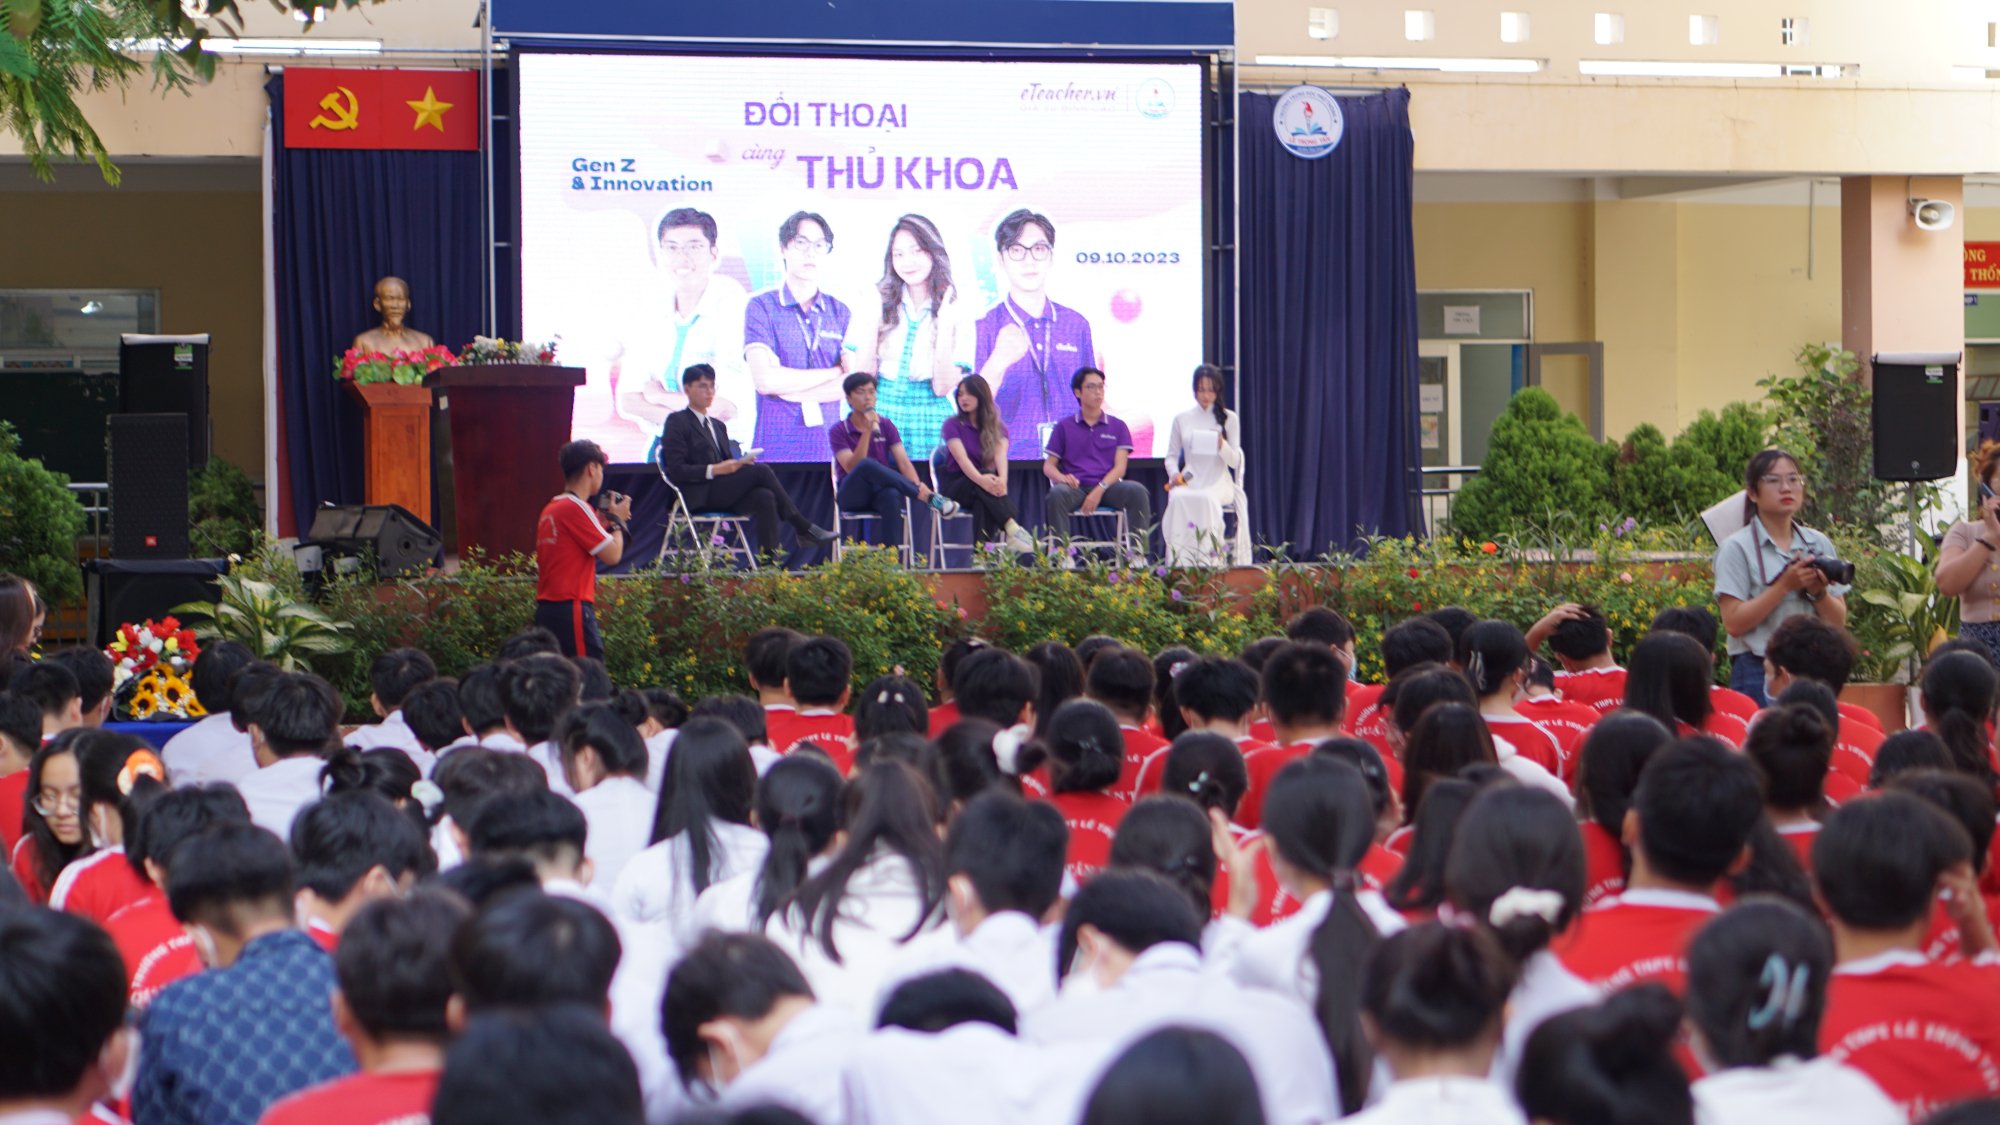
x=1982, y=265
x=376, y=109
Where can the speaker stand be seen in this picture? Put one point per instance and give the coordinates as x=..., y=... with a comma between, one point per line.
x=1910, y=499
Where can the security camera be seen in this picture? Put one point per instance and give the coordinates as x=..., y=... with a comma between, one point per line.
x=1932, y=214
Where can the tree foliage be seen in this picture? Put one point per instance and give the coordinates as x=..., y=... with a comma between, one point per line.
x=1821, y=416
x=39, y=522
x=1659, y=482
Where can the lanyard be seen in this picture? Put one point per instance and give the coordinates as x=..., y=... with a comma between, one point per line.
x=673, y=378
x=809, y=329
x=1757, y=548
x=1040, y=359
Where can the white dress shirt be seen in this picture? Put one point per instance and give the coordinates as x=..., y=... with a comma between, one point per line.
x=549, y=756
x=1792, y=1092
x=1275, y=957
x=1166, y=987
x=1442, y=1101
x=655, y=893
x=1544, y=989
x=802, y=1068
x=658, y=748
x=881, y=908
x=968, y=1074
x=636, y=988
x=393, y=731
x=1012, y=950
x=619, y=814
x=278, y=791
x=1531, y=773
x=211, y=750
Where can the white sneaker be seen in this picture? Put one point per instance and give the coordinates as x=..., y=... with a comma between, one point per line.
x=1018, y=539
x=945, y=505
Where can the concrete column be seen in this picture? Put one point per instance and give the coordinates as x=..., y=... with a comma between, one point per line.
x=1901, y=289
x=1635, y=267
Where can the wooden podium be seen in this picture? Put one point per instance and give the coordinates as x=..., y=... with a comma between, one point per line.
x=396, y=444
x=508, y=421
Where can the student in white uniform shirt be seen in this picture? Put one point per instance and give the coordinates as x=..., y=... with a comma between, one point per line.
x=1757, y=979
x=603, y=761
x=741, y=1021
x=798, y=811
x=1004, y=870
x=847, y=925
x=465, y=779
x=1431, y=1002
x=292, y=718
x=485, y=720
x=214, y=749
x=701, y=833
x=743, y=713
x=1130, y=941
x=1172, y=837
x=391, y=678
x=436, y=718
x=1516, y=870
x=535, y=693
x=663, y=713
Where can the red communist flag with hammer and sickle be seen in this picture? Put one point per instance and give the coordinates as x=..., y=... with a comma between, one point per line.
x=376, y=109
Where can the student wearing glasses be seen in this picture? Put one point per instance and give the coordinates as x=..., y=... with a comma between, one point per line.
x=794, y=337
x=1765, y=573
x=1027, y=347
x=704, y=324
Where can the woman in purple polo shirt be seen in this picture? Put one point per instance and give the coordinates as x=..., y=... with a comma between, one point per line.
x=974, y=469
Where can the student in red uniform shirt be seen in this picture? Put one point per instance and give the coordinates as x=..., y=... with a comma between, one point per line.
x=20, y=734
x=1608, y=769
x=1580, y=637
x=1207, y=769
x=53, y=834
x=571, y=539
x=945, y=712
x=1217, y=696
x=1690, y=825
x=1378, y=865
x=1449, y=737
x=395, y=984
x=764, y=656
x=1807, y=648
x=1418, y=888
x=1970, y=805
x=1406, y=645
x=1303, y=691
x=1927, y=1033
x=156, y=947
x=818, y=676
x=1122, y=680
x=995, y=685
x=1495, y=658
x=352, y=849
x=1669, y=678
x=891, y=705
x=1084, y=747
x=1959, y=693
x=1567, y=721
x=1699, y=624
x=64, y=1017
x=1791, y=746
x=121, y=776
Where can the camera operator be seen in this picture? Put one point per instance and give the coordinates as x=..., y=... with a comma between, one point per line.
x=571, y=539
x=1775, y=568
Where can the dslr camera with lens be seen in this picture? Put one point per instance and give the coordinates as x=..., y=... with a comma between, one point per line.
x=1839, y=572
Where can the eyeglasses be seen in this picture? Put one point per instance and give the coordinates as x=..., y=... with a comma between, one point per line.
x=52, y=803
x=1040, y=251
x=1792, y=480
x=805, y=245
x=684, y=249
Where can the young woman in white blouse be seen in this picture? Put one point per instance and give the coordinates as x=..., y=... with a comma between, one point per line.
x=847, y=925
x=1757, y=980
x=701, y=834
x=1204, y=462
x=604, y=760
x=1432, y=1001
x=798, y=810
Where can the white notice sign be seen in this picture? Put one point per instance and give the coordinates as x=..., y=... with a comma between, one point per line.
x=1461, y=320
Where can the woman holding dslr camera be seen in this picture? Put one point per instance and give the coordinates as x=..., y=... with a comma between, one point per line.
x=1969, y=561
x=1774, y=568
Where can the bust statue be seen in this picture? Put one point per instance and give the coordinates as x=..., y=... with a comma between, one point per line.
x=392, y=301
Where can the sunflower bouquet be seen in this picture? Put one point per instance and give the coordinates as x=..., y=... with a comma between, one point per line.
x=150, y=665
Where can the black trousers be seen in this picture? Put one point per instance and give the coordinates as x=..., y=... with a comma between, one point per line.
x=751, y=491
x=990, y=513
x=575, y=625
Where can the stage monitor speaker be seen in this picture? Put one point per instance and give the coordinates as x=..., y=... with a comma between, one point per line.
x=1916, y=416
x=402, y=543
x=149, y=486
x=121, y=590
x=167, y=375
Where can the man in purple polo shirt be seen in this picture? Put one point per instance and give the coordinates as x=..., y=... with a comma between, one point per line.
x=1027, y=346
x=1085, y=464
x=873, y=471
x=793, y=340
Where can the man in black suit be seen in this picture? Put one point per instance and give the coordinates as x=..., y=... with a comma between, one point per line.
x=694, y=451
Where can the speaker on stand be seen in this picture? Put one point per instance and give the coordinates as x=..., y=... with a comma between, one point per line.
x=149, y=486
x=1915, y=408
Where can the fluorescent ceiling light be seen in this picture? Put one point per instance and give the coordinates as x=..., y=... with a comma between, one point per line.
x=298, y=46
x=1660, y=68
x=1399, y=62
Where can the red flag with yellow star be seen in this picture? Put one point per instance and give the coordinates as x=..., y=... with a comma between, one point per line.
x=376, y=109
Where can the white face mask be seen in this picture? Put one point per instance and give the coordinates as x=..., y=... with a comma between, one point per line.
x=121, y=1086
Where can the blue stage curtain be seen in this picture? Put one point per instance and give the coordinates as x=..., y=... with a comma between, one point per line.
x=1328, y=301
x=344, y=219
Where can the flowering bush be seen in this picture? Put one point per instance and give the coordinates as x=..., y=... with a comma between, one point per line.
x=407, y=368
x=486, y=349
x=1145, y=605
x=150, y=662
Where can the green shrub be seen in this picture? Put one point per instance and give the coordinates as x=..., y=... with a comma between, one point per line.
x=1821, y=416
x=1147, y=607
x=1659, y=483
x=1725, y=442
x=222, y=511
x=39, y=523
x=1542, y=467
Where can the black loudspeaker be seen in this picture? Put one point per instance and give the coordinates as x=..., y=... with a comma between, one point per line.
x=402, y=543
x=121, y=590
x=149, y=486
x=167, y=375
x=1916, y=416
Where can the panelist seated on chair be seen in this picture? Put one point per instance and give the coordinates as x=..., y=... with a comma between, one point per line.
x=874, y=470
x=970, y=466
x=694, y=453
x=1085, y=462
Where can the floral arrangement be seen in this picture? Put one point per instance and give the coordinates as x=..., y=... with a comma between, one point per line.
x=486, y=349
x=150, y=665
x=363, y=367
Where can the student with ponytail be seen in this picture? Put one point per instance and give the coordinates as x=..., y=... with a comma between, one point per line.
x=604, y=760
x=1757, y=979
x=1495, y=657
x=1449, y=737
x=1172, y=837
x=890, y=705
x=1959, y=694
x=1086, y=758
x=1610, y=1063
x=1418, y=887
x=1431, y=1003
x=798, y=810
x=121, y=777
x=1613, y=755
x=1792, y=747
x=1669, y=676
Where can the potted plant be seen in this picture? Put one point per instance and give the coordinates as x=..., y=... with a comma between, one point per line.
x=1899, y=616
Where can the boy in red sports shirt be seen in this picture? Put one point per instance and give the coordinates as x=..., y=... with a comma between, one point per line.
x=1689, y=825
x=818, y=676
x=1122, y=680
x=20, y=736
x=946, y=711
x=1927, y=1032
x=395, y=984
x=1216, y=695
x=764, y=657
x=157, y=949
x=1407, y=644
x=1303, y=694
x=1580, y=637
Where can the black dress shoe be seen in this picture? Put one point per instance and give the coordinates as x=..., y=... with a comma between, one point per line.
x=813, y=533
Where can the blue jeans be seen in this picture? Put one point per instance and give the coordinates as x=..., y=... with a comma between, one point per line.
x=1746, y=674
x=871, y=486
